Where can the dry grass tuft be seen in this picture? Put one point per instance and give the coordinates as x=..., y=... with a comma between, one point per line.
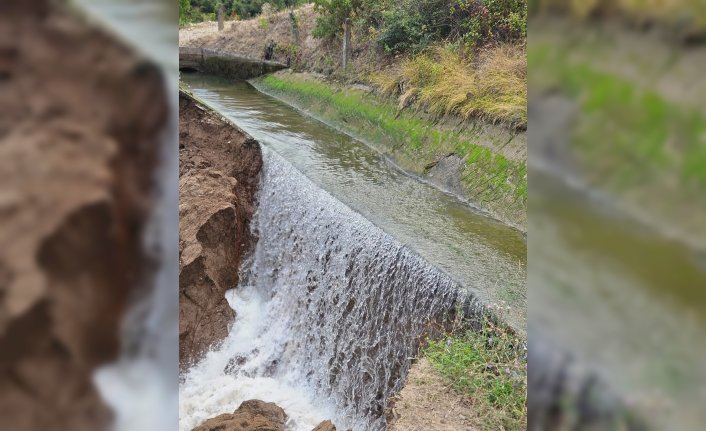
x=493, y=88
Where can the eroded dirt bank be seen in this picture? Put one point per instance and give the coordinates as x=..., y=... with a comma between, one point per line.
x=81, y=118
x=219, y=165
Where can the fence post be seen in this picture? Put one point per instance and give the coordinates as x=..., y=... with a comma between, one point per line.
x=346, y=42
x=220, y=17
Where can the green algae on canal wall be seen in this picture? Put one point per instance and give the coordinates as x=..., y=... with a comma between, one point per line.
x=481, y=163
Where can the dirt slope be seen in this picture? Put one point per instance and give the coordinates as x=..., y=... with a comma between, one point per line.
x=250, y=37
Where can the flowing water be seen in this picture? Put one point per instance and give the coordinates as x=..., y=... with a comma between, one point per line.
x=484, y=256
x=329, y=311
x=355, y=261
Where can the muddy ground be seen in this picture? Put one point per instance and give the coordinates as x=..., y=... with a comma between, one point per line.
x=219, y=167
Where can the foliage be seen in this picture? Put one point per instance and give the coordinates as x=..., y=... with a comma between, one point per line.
x=412, y=25
x=490, y=366
x=200, y=10
x=194, y=11
x=332, y=15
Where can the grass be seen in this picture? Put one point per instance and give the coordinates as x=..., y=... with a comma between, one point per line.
x=490, y=179
x=443, y=82
x=628, y=135
x=490, y=367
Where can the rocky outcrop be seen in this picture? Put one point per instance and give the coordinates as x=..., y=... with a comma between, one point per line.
x=325, y=426
x=219, y=165
x=253, y=415
x=80, y=123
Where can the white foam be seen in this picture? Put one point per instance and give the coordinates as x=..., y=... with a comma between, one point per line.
x=208, y=391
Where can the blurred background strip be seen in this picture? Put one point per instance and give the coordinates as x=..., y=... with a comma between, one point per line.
x=88, y=215
x=617, y=218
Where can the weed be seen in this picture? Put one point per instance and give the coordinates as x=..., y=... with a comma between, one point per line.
x=489, y=365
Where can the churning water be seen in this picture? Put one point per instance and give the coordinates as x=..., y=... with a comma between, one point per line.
x=329, y=309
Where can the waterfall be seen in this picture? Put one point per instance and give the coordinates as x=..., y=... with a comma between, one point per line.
x=330, y=310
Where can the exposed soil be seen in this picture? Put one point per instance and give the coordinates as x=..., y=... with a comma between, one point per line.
x=249, y=38
x=427, y=404
x=219, y=166
x=80, y=123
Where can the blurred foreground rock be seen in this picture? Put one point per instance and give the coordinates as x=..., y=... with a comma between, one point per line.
x=80, y=124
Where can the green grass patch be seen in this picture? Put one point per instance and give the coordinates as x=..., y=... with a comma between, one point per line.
x=489, y=366
x=628, y=135
x=488, y=178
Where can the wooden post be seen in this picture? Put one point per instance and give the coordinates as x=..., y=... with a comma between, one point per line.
x=220, y=17
x=346, y=42
x=295, y=28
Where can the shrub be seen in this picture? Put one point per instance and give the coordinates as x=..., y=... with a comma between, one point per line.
x=412, y=25
x=332, y=15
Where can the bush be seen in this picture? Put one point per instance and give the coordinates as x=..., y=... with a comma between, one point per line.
x=200, y=10
x=500, y=20
x=332, y=15
x=412, y=25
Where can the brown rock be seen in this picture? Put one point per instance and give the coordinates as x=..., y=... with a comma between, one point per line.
x=325, y=426
x=253, y=415
x=80, y=120
x=218, y=171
